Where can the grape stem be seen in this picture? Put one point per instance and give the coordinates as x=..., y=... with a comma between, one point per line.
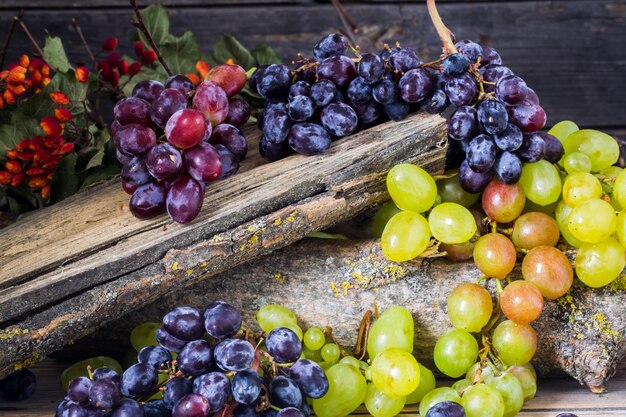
x=139, y=24
x=444, y=33
x=364, y=331
x=349, y=26
x=329, y=332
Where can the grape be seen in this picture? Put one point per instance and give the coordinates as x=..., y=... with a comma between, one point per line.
x=527, y=380
x=599, y=264
x=192, y=405
x=133, y=110
x=503, y=202
x=128, y=408
x=156, y=409
x=368, y=112
x=436, y=396
x=185, y=323
x=148, y=90
x=230, y=77
x=196, y=358
x=451, y=223
x=347, y=389
x=511, y=90
x=105, y=373
x=490, y=56
x=203, y=162
x=310, y=377
x=186, y=128
x=396, y=111
x=510, y=139
x=290, y=412
x=395, y=372
x=469, y=307
x=495, y=255
x=446, y=409
x=339, y=69
x=393, y=329
x=323, y=92
x=134, y=174
x=384, y=214
x=20, y=385
x=211, y=100
x=437, y=102
x=521, y=301
x=276, y=124
x=284, y=392
x=481, y=154
x=139, y=380
x=299, y=88
x=455, y=352
x=214, y=387
x=563, y=129
x=231, y=138
x=533, y=148
x=168, y=102
x=122, y=157
x=273, y=315
x=404, y=59
x=238, y=112
x=155, y=356
x=246, y=386
x=359, y=91
x=592, y=221
x=516, y=343
x=529, y=117
x=352, y=361
x=104, y=394
x=411, y=188
x=379, y=404
x=461, y=385
x=415, y=85
x=541, y=182
x=602, y=149
x=309, y=139
x=274, y=81
x=472, y=181
x=164, y=162
x=455, y=64
x=385, y=92
x=339, y=119
x=426, y=385
x=554, y=150
x=450, y=191
x=562, y=216
x=580, y=187
x=330, y=45
x=184, y=199
x=492, y=116
x=508, y=167
x=314, y=338
x=463, y=123
x=234, y=354
x=148, y=200
x=180, y=82
x=470, y=49
x=221, y=320
x=462, y=90
x=406, y=236
x=230, y=163
x=168, y=341
x=371, y=68
x=493, y=73
x=576, y=162
x=135, y=139
x=549, y=269
x=256, y=76
x=534, y=229
x=330, y=352
x=175, y=389
x=300, y=108
x=483, y=400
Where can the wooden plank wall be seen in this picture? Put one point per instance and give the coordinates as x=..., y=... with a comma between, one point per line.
x=570, y=51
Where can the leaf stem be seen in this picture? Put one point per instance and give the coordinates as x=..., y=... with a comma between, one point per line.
x=142, y=27
x=444, y=33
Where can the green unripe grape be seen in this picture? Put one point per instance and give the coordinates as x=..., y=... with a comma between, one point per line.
x=548, y=209
x=511, y=391
x=563, y=129
x=405, y=237
x=602, y=149
x=482, y=400
x=352, y=361
x=395, y=372
x=393, y=329
x=577, y=162
x=455, y=352
x=485, y=372
x=541, y=182
x=380, y=404
x=386, y=212
x=80, y=368
x=314, y=355
x=620, y=228
x=619, y=188
x=367, y=373
x=461, y=385
x=599, y=264
x=531, y=368
x=562, y=216
x=331, y=352
x=469, y=307
x=592, y=221
x=426, y=385
x=347, y=389
x=144, y=335
x=527, y=380
x=314, y=338
x=607, y=187
x=451, y=223
x=516, y=343
x=436, y=396
x=451, y=191
x=411, y=188
x=579, y=187
x=272, y=316
x=296, y=329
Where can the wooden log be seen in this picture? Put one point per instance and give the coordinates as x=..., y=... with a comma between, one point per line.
x=86, y=261
x=333, y=282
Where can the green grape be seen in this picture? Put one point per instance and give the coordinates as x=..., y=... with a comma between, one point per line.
x=272, y=316
x=80, y=369
x=563, y=129
x=531, y=368
x=380, y=404
x=516, y=343
x=331, y=352
x=426, y=385
x=601, y=263
x=296, y=329
x=451, y=191
x=511, y=391
x=405, y=237
x=411, y=188
x=534, y=207
x=541, y=182
x=314, y=338
x=527, y=380
x=326, y=365
x=455, y=352
x=482, y=400
x=579, y=187
x=451, y=223
x=620, y=228
x=368, y=373
x=352, y=361
x=469, y=307
x=436, y=396
x=347, y=389
x=461, y=385
x=576, y=162
x=395, y=372
x=393, y=329
x=592, y=221
x=562, y=216
x=314, y=355
x=602, y=149
x=619, y=188
x=144, y=335
x=485, y=372
x=386, y=212
x=607, y=188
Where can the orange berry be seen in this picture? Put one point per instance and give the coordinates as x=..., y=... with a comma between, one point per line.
x=82, y=74
x=35, y=171
x=45, y=191
x=9, y=97
x=194, y=78
x=63, y=115
x=5, y=177
x=41, y=157
x=24, y=61
x=36, y=142
x=148, y=56
x=17, y=180
x=45, y=70
x=35, y=64
x=16, y=75
x=13, y=166
x=12, y=154
x=59, y=98
x=35, y=78
x=25, y=156
x=45, y=82
x=23, y=145
x=51, y=126
x=230, y=61
x=52, y=163
x=203, y=68
x=3, y=74
x=38, y=181
x=53, y=142
x=65, y=149
x=17, y=90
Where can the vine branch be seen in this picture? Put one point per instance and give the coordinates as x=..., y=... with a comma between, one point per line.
x=8, y=41
x=139, y=24
x=20, y=22
x=445, y=34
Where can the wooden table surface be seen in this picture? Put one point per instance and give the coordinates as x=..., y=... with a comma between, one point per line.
x=554, y=396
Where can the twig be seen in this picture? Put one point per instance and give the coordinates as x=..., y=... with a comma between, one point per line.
x=349, y=27
x=19, y=20
x=9, y=36
x=142, y=27
x=444, y=33
x=79, y=32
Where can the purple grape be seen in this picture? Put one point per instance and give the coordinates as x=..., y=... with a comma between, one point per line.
x=139, y=380
x=271, y=151
x=128, y=408
x=230, y=163
x=168, y=341
x=155, y=356
x=470, y=49
x=164, y=162
x=156, y=408
x=310, y=377
x=300, y=108
x=404, y=59
x=175, y=389
x=165, y=105
x=330, y=45
x=511, y=90
x=339, y=119
x=309, y=139
x=528, y=116
x=246, y=386
x=232, y=138
x=510, y=139
x=123, y=157
x=567, y=415
x=221, y=320
x=437, y=102
x=338, y=69
x=184, y=200
x=437, y=79
x=276, y=124
x=359, y=92
x=368, y=112
x=554, y=148
x=490, y=56
x=492, y=74
x=283, y=344
x=104, y=394
x=533, y=148
x=385, y=92
x=397, y=110
x=290, y=412
x=415, y=85
x=134, y=174
x=114, y=128
x=196, y=358
x=239, y=111
x=214, y=387
x=274, y=81
x=234, y=354
x=462, y=90
x=300, y=88
x=446, y=409
x=74, y=410
x=481, y=153
x=323, y=92
x=371, y=68
x=284, y=392
x=492, y=116
x=180, y=82
x=256, y=76
x=203, y=163
x=133, y=110
x=192, y=405
x=463, y=123
x=78, y=390
x=106, y=373
x=135, y=139
x=508, y=167
x=148, y=90
x=455, y=64
x=245, y=411
x=309, y=74
x=471, y=181
x=532, y=96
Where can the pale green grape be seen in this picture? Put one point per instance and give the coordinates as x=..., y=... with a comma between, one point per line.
x=386, y=212
x=619, y=188
x=347, y=389
x=296, y=329
x=541, y=182
x=272, y=316
x=482, y=400
x=601, y=263
x=511, y=391
x=620, y=228
x=314, y=338
x=592, y=221
x=527, y=380
x=144, y=335
x=461, y=385
x=395, y=372
x=485, y=372
x=426, y=385
x=331, y=352
x=469, y=307
x=577, y=162
x=455, y=352
x=548, y=209
x=436, y=396
x=562, y=216
x=516, y=343
x=579, y=187
x=607, y=187
x=563, y=129
x=451, y=191
x=380, y=404
x=80, y=368
x=352, y=361
x=314, y=355
x=393, y=329
x=451, y=223
x=411, y=188
x=405, y=237
x=602, y=149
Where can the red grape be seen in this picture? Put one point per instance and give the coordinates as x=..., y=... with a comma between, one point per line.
x=549, y=269
x=166, y=104
x=211, y=100
x=148, y=200
x=231, y=138
x=135, y=139
x=521, y=301
x=186, y=128
x=239, y=111
x=503, y=202
x=184, y=199
x=534, y=229
x=203, y=162
x=495, y=255
x=231, y=78
x=133, y=110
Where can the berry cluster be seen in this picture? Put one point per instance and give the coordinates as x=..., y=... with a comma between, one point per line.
x=202, y=142
x=113, y=67
x=22, y=78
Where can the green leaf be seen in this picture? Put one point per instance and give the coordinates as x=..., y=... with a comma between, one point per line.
x=21, y=127
x=96, y=160
x=157, y=22
x=101, y=173
x=54, y=54
x=64, y=182
x=230, y=48
x=265, y=55
x=181, y=53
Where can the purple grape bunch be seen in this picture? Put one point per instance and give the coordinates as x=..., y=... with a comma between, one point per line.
x=217, y=368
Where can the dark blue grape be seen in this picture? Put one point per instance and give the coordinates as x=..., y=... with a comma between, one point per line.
x=78, y=390
x=446, y=409
x=532, y=96
x=155, y=356
x=481, y=153
x=276, y=124
x=290, y=412
x=323, y=92
x=309, y=139
x=359, y=92
x=255, y=78
x=404, y=59
x=215, y=387
x=73, y=410
x=461, y=90
x=300, y=88
x=169, y=342
x=104, y=394
x=339, y=119
x=510, y=139
x=470, y=49
x=567, y=415
x=284, y=392
x=511, y=90
x=246, y=386
x=310, y=377
x=490, y=56
x=180, y=82
x=192, y=405
x=139, y=380
x=283, y=344
x=492, y=74
x=554, y=148
x=309, y=73
x=230, y=163
x=463, y=123
x=471, y=181
x=371, y=68
x=175, y=389
x=232, y=138
x=95, y=412
x=508, y=167
x=274, y=81
x=437, y=102
x=415, y=85
x=221, y=320
x=300, y=108
x=196, y=358
x=533, y=148
x=397, y=110
x=455, y=64
x=239, y=112
x=368, y=112
x=338, y=69
x=385, y=92
x=185, y=323
x=148, y=90
x=245, y=411
x=128, y=408
x=234, y=354
x=438, y=80
x=106, y=373
x=306, y=409
x=156, y=408
x=492, y=116
x=330, y=45
x=271, y=151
